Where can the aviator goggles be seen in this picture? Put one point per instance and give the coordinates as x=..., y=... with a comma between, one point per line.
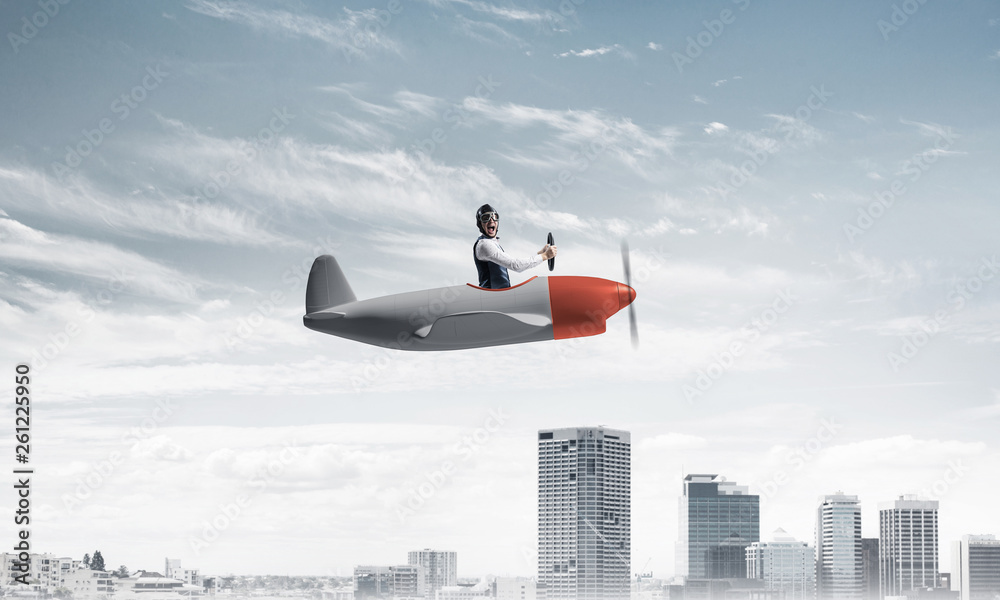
x=489, y=216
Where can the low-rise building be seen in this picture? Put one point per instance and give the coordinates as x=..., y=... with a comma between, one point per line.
x=783, y=564
x=150, y=585
x=44, y=573
x=88, y=583
x=465, y=592
x=515, y=588
x=395, y=582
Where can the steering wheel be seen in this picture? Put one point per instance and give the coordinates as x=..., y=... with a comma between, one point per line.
x=552, y=261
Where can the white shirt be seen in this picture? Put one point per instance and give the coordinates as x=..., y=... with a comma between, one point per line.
x=488, y=249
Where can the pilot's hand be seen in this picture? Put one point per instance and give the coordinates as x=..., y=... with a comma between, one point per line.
x=548, y=252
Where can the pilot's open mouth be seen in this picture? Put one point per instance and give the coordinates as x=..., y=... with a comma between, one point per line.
x=491, y=228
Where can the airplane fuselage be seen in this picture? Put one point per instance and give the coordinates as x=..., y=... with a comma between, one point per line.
x=467, y=316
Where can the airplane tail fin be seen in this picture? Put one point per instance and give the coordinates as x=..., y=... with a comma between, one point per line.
x=327, y=285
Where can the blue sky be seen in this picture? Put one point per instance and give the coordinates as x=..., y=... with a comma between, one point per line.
x=812, y=182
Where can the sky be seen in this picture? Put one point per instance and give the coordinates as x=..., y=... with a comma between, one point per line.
x=808, y=192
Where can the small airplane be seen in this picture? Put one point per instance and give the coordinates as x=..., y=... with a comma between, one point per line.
x=466, y=316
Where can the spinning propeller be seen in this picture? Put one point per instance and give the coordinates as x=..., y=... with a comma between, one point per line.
x=633, y=328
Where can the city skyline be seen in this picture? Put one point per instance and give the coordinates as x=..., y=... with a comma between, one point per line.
x=807, y=191
x=908, y=526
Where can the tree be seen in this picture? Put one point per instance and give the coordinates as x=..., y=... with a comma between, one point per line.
x=123, y=572
x=97, y=563
x=86, y=561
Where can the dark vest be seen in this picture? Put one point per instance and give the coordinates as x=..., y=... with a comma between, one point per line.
x=491, y=275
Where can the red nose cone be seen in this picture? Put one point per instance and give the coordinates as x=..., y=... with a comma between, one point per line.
x=580, y=305
x=626, y=295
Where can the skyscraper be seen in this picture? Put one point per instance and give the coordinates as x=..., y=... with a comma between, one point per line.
x=908, y=545
x=440, y=568
x=718, y=520
x=584, y=522
x=785, y=565
x=839, y=565
x=975, y=570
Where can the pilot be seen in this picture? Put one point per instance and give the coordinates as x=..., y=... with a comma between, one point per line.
x=491, y=260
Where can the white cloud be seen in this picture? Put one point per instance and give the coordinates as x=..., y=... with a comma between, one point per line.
x=384, y=113
x=149, y=210
x=25, y=247
x=881, y=278
x=754, y=143
x=422, y=104
x=351, y=33
x=903, y=452
x=601, y=51
x=592, y=131
x=673, y=441
x=654, y=46
x=491, y=33
x=359, y=131
x=662, y=225
x=701, y=215
x=334, y=178
x=160, y=448
x=796, y=131
x=507, y=13
x=715, y=127
x=932, y=130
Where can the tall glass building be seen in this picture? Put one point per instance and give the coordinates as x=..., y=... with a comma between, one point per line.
x=718, y=521
x=908, y=545
x=584, y=513
x=839, y=557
